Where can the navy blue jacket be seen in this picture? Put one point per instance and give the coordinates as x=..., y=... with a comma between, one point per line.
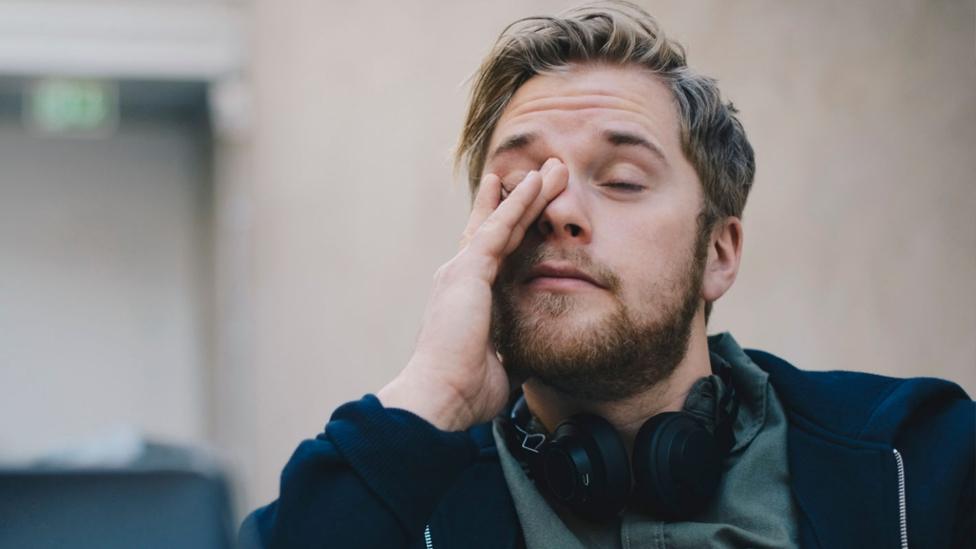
x=385, y=478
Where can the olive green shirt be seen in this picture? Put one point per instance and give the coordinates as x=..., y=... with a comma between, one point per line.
x=753, y=506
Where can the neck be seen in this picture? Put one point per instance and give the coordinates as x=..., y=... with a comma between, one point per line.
x=551, y=406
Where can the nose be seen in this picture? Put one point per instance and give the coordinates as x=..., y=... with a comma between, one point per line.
x=565, y=217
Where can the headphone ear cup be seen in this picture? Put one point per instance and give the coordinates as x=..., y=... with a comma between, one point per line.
x=585, y=466
x=677, y=465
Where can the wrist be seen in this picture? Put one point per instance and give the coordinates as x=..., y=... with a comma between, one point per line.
x=441, y=408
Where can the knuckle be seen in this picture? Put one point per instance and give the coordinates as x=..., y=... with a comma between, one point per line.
x=465, y=265
x=494, y=224
x=442, y=272
x=452, y=269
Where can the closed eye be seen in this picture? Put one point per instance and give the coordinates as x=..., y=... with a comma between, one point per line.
x=624, y=186
x=510, y=181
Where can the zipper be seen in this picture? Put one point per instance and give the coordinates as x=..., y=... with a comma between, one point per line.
x=902, y=506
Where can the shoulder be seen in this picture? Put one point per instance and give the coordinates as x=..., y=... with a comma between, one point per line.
x=866, y=406
x=844, y=428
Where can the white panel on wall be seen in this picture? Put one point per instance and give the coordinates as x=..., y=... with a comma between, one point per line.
x=104, y=286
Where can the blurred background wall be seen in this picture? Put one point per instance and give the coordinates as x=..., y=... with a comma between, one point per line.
x=230, y=267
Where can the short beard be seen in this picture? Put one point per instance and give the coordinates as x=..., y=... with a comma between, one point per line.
x=614, y=359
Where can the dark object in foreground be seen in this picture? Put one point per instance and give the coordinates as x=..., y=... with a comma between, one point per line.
x=109, y=509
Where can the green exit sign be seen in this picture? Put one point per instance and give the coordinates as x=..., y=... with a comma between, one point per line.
x=73, y=107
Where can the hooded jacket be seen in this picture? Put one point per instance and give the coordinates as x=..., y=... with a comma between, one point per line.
x=874, y=462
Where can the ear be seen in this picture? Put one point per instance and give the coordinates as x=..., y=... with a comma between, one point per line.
x=724, y=254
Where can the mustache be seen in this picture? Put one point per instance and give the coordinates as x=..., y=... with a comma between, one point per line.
x=522, y=262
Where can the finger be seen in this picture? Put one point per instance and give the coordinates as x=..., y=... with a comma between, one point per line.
x=493, y=235
x=485, y=201
x=548, y=165
x=554, y=182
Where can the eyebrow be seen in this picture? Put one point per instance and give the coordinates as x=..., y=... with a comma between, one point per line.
x=514, y=143
x=617, y=138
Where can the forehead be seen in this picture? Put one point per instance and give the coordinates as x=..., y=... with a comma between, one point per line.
x=593, y=97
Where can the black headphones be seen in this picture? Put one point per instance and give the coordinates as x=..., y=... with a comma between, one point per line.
x=677, y=459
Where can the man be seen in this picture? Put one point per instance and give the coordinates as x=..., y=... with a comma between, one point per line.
x=609, y=185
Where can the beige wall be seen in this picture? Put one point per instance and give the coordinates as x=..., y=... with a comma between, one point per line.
x=860, y=241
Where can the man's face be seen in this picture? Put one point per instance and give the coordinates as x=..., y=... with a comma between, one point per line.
x=598, y=299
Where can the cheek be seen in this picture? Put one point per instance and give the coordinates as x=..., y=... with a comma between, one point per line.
x=650, y=257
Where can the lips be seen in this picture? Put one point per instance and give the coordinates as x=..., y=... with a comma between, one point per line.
x=559, y=271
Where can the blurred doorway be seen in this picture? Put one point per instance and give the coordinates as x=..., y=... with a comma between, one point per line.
x=105, y=271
